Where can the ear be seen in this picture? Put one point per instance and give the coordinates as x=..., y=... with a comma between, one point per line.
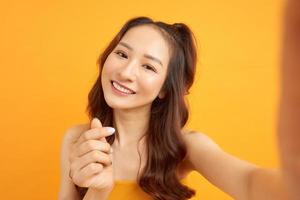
x=161, y=95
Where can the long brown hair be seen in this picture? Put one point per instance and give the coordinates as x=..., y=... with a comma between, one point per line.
x=165, y=146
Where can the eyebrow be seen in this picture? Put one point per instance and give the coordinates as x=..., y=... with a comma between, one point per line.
x=145, y=55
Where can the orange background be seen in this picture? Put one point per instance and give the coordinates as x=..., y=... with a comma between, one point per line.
x=48, y=53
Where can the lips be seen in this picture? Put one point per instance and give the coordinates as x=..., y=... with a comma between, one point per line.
x=123, y=86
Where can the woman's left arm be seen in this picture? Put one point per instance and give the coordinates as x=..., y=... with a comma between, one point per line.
x=288, y=129
x=238, y=178
x=289, y=109
x=242, y=179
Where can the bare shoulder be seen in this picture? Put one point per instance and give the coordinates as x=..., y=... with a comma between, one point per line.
x=225, y=171
x=199, y=146
x=198, y=139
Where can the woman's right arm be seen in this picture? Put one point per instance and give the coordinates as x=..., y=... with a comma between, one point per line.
x=72, y=136
x=67, y=189
x=94, y=194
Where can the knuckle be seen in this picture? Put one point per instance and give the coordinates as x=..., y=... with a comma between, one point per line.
x=73, y=170
x=76, y=179
x=85, y=135
x=105, y=157
x=95, y=154
x=89, y=144
x=107, y=160
x=106, y=146
x=100, y=167
x=85, y=184
x=94, y=167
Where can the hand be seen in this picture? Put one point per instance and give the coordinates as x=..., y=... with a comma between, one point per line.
x=91, y=158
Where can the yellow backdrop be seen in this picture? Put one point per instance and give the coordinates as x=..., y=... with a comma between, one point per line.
x=48, y=64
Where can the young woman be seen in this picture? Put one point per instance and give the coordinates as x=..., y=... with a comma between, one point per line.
x=137, y=109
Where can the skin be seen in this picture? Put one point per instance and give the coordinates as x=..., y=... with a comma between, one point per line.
x=143, y=75
x=132, y=69
x=289, y=110
x=238, y=178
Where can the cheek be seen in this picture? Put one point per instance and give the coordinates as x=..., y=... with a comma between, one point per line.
x=152, y=85
x=109, y=65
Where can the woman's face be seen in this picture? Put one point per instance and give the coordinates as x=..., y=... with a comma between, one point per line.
x=139, y=62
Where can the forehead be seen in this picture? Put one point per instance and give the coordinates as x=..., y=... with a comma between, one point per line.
x=146, y=39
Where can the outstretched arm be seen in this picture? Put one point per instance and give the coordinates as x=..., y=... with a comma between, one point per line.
x=240, y=179
x=289, y=110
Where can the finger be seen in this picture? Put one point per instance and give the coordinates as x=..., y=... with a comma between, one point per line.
x=91, y=145
x=82, y=176
x=91, y=169
x=95, y=134
x=94, y=156
x=96, y=123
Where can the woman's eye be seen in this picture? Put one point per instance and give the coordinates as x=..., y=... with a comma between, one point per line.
x=150, y=68
x=121, y=54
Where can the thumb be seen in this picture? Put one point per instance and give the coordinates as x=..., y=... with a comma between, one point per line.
x=95, y=123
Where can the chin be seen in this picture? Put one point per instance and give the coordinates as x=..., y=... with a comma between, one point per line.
x=116, y=104
x=125, y=105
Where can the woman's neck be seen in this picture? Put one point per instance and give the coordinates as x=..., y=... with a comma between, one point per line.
x=131, y=126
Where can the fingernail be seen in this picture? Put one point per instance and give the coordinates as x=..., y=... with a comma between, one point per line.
x=110, y=129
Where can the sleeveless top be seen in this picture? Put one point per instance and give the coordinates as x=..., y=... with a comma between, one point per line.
x=129, y=190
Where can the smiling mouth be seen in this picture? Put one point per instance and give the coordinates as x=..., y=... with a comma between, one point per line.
x=121, y=89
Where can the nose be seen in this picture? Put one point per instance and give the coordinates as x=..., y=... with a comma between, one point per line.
x=128, y=71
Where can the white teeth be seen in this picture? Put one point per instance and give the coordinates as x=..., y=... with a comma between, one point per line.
x=121, y=88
